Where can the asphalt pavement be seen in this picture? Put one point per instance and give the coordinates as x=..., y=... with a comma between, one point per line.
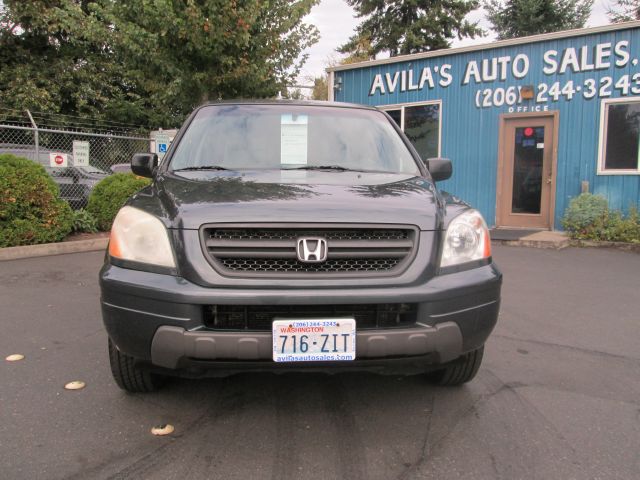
x=557, y=397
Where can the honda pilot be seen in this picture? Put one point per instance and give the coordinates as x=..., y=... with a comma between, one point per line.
x=295, y=236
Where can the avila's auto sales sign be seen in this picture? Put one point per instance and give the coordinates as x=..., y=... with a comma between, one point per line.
x=491, y=76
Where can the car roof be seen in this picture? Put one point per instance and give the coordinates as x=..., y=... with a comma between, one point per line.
x=303, y=103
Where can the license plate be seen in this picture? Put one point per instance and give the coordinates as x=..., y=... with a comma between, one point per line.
x=314, y=340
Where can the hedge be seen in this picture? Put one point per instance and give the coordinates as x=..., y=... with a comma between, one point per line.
x=110, y=194
x=31, y=210
x=588, y=218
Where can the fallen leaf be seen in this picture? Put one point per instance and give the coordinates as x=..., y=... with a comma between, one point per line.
x=75, y=385
x=161, y=430
x=15, y=357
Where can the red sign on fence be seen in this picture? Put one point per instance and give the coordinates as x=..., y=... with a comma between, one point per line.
x=58, y=159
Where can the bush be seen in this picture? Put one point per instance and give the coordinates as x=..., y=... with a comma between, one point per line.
x=31, y=210
x=588, y=218
x=618, y=228
x=583, y=213
x=110, y=194
x=83, y=221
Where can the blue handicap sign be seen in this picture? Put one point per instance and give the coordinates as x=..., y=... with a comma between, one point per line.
x=162, y=147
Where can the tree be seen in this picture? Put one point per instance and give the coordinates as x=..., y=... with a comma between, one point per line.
x=627, y=10
x=519, y=18
x=320, y=88
x=409, y=26
x=55, y=57
x=148, y=62
x=359, y=54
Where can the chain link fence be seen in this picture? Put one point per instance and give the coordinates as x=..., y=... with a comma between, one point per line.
x=77, y=153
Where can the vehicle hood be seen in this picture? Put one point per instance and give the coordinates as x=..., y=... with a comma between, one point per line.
x=190, y=199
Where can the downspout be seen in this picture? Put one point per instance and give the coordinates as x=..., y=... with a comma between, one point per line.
x=330, y=94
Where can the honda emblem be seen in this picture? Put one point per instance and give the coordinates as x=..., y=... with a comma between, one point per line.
x=312, y=250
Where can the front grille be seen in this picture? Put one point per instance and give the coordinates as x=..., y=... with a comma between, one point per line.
x=292, y=265
x=260, y=317
x=267, y=250
x=293, y=234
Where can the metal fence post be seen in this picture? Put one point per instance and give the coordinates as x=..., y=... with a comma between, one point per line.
x=35, y=136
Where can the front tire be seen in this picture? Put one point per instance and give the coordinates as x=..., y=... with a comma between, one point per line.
x=460, y=371
x=128, y=375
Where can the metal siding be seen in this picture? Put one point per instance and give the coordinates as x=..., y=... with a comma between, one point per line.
x=470, y=134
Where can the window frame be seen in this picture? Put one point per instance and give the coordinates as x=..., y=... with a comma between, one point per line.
x=402, y=106
x=602, y=137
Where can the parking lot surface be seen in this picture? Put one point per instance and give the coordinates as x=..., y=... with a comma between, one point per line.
x=558, y=395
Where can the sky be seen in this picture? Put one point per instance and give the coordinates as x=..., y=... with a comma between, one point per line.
x=336, y=22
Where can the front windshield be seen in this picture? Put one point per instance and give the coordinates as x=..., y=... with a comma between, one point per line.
x=261, y=137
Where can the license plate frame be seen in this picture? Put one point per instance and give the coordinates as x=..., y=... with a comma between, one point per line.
x=327, y=339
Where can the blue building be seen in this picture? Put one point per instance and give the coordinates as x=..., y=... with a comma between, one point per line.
x=528, y=123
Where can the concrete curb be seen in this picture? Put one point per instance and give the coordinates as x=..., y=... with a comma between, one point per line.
x=60, y=248
x=534, y=244
x=543, y=239
x=627, y=247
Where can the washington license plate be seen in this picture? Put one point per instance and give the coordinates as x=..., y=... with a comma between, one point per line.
x=314, y=340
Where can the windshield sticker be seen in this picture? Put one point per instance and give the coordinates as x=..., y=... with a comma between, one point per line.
x=293, y=139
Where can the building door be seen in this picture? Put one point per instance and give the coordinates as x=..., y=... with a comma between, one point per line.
x=526, y=171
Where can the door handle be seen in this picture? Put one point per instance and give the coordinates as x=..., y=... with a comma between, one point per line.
x=549, y=180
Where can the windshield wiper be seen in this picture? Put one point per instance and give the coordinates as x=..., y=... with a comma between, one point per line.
x=201, y=167
x=337, y=168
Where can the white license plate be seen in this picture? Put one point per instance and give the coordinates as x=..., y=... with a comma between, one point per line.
x=314, y=340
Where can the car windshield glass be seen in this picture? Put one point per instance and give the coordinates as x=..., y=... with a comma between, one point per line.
x=256, y=137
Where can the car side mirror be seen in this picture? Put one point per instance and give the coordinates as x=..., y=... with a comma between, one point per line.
x=439, y=168
x=144, y=164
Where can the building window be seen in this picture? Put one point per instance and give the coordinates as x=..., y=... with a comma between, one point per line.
x=620, y=137
x=421, y=124
x=396, y=115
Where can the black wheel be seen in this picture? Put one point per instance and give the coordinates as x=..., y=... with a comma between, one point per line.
x=459, y=371
x=128, y=375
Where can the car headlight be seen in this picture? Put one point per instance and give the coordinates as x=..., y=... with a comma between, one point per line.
x=467, y=239
x=140, y=237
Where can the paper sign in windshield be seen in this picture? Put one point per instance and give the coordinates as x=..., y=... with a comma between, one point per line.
x=293, y=139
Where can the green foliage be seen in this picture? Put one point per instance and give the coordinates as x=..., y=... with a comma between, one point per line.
x=519, y=18
x=147, y=62
x=583, y=211
x=320, y=88
x=30, y=207
x=588, y=218
x=618, y=228
x=624, y=11
x=57, y=58
x=110, y=194
x=409, y=26
x=83, y=221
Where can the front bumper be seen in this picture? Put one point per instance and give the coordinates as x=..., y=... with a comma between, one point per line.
x=158, y=319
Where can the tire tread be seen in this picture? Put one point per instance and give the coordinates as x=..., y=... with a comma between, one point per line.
x=129, y=376
x=460, y=371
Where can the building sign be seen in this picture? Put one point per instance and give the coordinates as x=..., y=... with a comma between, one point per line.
x=80, y=153
x=483, y=74
x=57, y=160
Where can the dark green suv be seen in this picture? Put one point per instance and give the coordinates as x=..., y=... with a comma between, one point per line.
x=302, y=236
